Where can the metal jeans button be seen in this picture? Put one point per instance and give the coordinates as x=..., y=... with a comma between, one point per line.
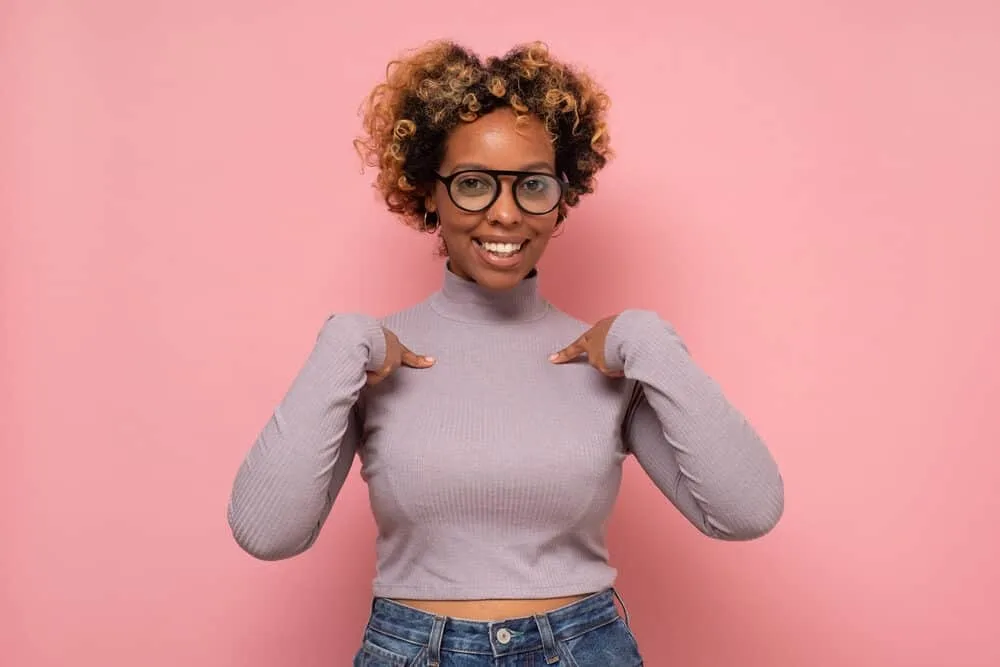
x=503, y=635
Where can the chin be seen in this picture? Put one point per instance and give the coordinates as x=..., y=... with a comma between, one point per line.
x=493, y=271
x=489, y=277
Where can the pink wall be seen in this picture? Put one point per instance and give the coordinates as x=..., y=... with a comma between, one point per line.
x=809, y=190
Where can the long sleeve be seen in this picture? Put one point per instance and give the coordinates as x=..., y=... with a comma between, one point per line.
x=698, y=449
x=291, y=475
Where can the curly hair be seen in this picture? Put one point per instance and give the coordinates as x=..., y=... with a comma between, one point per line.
x=407, y=118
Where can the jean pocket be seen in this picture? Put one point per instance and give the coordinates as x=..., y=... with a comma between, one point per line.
x=378, y=650
x=610, y=645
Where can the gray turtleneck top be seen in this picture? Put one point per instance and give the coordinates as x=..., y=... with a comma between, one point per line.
x=492, y=473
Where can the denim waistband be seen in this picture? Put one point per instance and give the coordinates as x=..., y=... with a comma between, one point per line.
x=497, y=638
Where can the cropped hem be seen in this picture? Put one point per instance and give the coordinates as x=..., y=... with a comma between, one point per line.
x=491, y=593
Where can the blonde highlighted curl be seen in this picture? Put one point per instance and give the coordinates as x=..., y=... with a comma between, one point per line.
x=408, y=117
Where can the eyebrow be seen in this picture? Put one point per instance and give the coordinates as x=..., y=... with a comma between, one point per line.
x=533, y=166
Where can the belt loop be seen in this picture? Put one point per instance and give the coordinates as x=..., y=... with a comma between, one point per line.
x=434, y=644
x=624, y=608
x=548, y=639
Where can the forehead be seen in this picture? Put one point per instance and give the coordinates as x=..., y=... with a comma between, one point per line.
x=499, y=141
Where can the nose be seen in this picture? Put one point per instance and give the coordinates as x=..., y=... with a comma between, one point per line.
x=504, y=210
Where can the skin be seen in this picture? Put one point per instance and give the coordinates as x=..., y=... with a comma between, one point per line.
x=495, y=142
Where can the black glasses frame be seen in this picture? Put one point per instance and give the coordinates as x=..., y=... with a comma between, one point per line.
x=519, y=177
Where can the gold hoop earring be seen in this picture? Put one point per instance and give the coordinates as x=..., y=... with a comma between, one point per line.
x=431, y=221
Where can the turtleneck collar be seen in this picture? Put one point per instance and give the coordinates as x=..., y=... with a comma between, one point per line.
x=468, y=301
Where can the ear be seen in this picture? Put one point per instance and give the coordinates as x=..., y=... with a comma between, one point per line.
x=429, y=204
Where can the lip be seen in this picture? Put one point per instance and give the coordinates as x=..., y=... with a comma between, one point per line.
x=505, y=263
x=500, y=239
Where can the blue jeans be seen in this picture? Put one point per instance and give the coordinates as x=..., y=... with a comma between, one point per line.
x=586, y=633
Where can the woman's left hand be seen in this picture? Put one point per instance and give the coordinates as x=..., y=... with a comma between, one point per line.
x=591, y=343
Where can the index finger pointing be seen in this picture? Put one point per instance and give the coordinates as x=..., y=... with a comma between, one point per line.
x=415, y=360
x=572, y=351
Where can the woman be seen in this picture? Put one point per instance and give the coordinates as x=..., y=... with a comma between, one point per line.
x=492, y=456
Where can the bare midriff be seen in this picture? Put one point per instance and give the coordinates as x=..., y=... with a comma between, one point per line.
x=490, y=610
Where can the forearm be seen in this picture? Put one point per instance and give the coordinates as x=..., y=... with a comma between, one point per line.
x=704, y=454
x=292, y=473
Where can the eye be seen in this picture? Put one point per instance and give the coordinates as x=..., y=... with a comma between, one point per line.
x=473, y=184
x=535, y=185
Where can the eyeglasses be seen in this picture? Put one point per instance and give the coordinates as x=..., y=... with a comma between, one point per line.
x=476, y=190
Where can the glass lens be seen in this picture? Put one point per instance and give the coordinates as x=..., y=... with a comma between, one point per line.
x=538, y=193
x=473, y=190
x=534, y=193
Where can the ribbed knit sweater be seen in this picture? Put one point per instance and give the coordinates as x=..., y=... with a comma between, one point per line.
x=491, y=474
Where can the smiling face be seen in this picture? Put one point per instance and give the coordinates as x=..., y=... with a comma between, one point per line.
x=500, y=245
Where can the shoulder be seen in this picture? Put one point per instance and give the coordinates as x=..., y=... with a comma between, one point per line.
x=419, y=315
x=564, y=323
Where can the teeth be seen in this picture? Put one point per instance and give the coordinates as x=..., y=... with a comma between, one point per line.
x=501, y=248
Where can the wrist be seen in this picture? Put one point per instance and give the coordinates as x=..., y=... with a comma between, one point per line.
x=632, y=331
x=348, y=329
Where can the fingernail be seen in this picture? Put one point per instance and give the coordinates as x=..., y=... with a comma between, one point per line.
x=429, y=359
x=554, y=356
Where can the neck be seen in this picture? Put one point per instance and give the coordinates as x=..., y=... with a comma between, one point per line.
x=465, y=300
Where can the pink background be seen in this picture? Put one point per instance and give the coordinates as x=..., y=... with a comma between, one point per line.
x=809, y=190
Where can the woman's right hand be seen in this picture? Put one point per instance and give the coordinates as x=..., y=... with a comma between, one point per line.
x=396, y=355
